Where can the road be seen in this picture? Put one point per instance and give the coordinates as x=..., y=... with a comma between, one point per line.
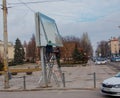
x=54, y=94
x=114, y=66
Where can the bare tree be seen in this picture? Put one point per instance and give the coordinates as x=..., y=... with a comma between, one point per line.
x=85, y=44
x=103, y=49
x=31, y=49
x=69, y=43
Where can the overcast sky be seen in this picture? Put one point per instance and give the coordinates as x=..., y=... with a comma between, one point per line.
x=99, y=18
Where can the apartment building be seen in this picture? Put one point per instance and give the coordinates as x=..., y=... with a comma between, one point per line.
x=114, y=46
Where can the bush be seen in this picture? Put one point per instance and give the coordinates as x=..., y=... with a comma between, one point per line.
x=14, y=73
x=28, y=73
x=11, y=63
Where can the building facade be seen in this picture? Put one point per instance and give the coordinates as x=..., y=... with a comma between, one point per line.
x=114, y=46
x=10, y=50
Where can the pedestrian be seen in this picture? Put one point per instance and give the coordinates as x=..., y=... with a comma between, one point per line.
x=49, y=51
x=57, y=54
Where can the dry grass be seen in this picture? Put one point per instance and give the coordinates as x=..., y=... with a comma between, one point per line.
x=23, y=68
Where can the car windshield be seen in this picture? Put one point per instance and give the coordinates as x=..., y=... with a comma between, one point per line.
x=117, y=75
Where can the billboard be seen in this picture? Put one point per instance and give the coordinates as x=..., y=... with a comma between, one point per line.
x=46, y=31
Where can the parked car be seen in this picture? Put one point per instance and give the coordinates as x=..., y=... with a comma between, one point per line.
x=115, y=59
x=111, y=86
x=100, y=61
x=93, y=59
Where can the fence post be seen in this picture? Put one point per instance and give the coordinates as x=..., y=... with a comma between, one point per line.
x=63, y=75
x=94, y=76
x=24, y=82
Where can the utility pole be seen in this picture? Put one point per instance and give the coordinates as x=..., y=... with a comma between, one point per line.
x=5, y=36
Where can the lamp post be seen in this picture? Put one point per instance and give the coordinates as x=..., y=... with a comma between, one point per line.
x=5, y=36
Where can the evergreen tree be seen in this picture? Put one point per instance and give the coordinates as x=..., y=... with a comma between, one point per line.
x=19, y=52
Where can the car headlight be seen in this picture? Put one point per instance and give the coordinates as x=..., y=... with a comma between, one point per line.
x=116, y=86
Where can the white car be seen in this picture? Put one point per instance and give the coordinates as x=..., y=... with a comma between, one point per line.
x=100, y=61
x=111, y=86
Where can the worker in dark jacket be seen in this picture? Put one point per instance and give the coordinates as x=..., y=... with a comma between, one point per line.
x=49, y=51
x=57, y=54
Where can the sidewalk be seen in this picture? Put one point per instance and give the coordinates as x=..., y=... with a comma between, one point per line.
x=80, y=77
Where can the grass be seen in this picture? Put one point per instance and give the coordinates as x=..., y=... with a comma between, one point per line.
x=23, y=68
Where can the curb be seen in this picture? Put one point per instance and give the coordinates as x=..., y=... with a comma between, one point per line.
x=46, y=89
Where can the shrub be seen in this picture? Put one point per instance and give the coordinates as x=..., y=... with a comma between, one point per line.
x=11, y=63
x=28, y=73
x=14, y=73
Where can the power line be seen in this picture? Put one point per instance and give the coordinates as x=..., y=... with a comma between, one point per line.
x=34, y=2
x=26, y=5
x=1, y=6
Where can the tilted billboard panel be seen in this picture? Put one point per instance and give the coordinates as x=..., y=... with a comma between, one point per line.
x=46, y=31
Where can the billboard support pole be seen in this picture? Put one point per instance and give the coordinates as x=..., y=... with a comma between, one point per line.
x=44, y=72
x=46, y=30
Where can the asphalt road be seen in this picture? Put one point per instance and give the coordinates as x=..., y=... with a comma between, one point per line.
x=54, y=94
x=114, y=66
